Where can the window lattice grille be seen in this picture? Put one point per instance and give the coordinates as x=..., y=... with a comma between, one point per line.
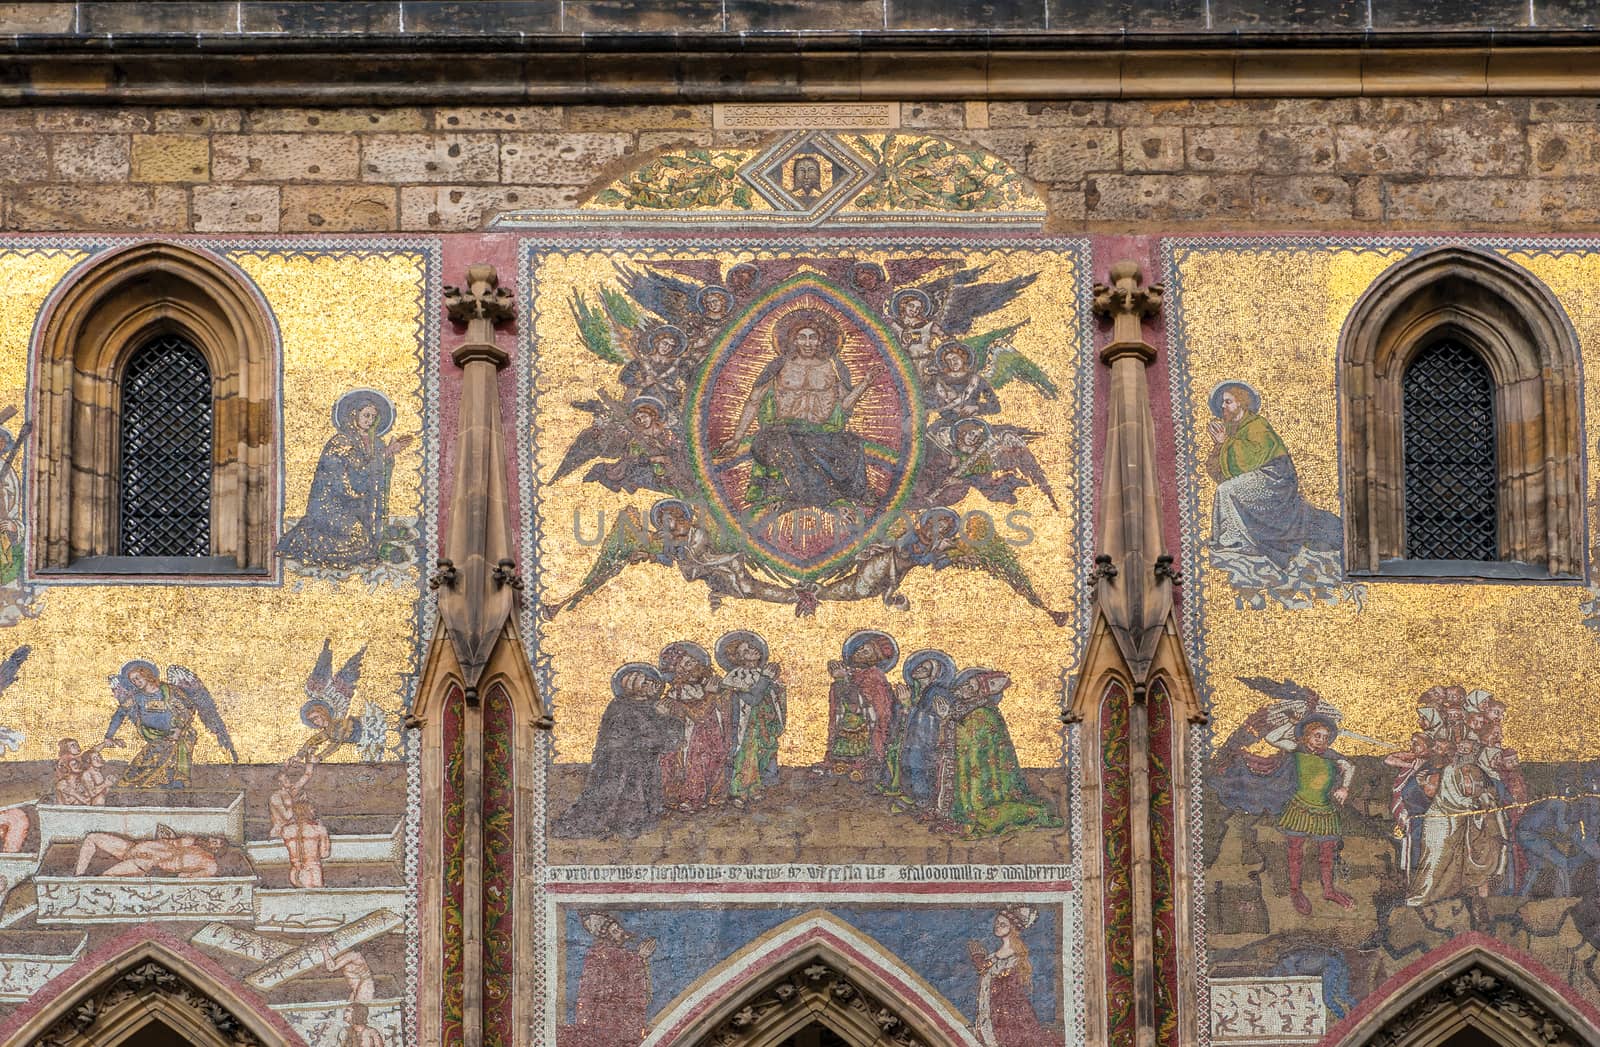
x=165, y=482
x=1452, y=501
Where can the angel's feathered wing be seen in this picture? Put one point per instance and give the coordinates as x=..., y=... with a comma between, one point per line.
x=965, y=301
x=13, y=665
x=666, y=296
x=204, y=706
x=1012, y=452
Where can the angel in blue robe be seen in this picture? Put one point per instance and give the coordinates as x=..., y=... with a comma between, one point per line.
x=163, y=713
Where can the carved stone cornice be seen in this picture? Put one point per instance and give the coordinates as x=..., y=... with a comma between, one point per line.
x=813, y=986
x=140, y=983
x=1493, y=997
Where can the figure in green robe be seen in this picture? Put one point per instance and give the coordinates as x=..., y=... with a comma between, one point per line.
x=1258, y=509
x=991, y=795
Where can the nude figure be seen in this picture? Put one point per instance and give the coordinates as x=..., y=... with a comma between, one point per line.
x=355, y=970
x=13, y=829
x=294, y=821
x=357, y=1033
x=185, y=856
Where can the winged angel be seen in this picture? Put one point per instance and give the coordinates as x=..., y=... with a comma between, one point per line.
x=163, y=712
x=327, y=711
x=658, y=329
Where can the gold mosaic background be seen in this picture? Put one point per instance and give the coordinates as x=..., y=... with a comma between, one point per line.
x=1272, y=318
x=974, y=617
x=346, y=321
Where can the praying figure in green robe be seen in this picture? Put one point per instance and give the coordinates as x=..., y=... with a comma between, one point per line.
x=1258, y=509
x=991, y=796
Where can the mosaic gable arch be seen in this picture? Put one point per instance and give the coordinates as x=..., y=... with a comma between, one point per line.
x=1512, y=321
x=1478, y=990
x=114, y=306
x=151, y=986
x=814, y=178
x=815, y=968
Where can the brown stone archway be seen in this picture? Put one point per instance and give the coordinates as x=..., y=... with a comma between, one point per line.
x=118, y=302
x=816, y=990
x=1507, y=317
x=149, y=987
x=1473, y=997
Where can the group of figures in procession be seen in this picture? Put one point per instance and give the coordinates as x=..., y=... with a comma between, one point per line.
x=934, y=743
x=809, y=423
x=614, y=991
x=696, y=730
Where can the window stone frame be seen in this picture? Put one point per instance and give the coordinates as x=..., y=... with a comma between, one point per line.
x=117, y=304
x=1506, y=315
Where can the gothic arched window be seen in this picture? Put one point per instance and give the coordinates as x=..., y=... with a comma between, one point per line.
x=1452, y=493
x=164, y=468
x=155, y=416
x=1461, y=439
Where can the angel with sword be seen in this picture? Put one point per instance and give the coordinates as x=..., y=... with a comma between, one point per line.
x=163, y=713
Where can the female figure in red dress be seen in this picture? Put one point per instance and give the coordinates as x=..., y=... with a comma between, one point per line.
x=1005, y=985
x=613, y=987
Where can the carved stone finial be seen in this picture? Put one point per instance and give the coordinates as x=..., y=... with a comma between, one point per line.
x=481, y=304
x=1126, y=304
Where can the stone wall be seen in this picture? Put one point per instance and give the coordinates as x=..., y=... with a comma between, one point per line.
x=1347, y=163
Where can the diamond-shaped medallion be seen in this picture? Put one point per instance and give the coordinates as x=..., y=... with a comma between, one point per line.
x=809, y=173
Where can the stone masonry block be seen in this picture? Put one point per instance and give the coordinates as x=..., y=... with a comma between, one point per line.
x=338, y=208
x=1067, y=154
x=1303, y=198
x=103, y=121
x=23, y=157
x=36, y=18
x=171, y=158
x=337, y=120
x=1564, y=150
x=1152, y=148
x=1241, y=112
x=1564, y=110
x=652, y=141
x=1525, y=202
x=1275, y=150
x=1398, y=110
x=236, y=208
x=1046, y=114
x=285, y=158
x=933, y=115
x=559, y=159
x=1381, y=148
x=450, y=208
x=430, y=158
x=196, y=121
x=89, y=158
x=118, y=208
x=498, y=118
x=1477, y=147
x=1180, y=198
x=637, y=117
